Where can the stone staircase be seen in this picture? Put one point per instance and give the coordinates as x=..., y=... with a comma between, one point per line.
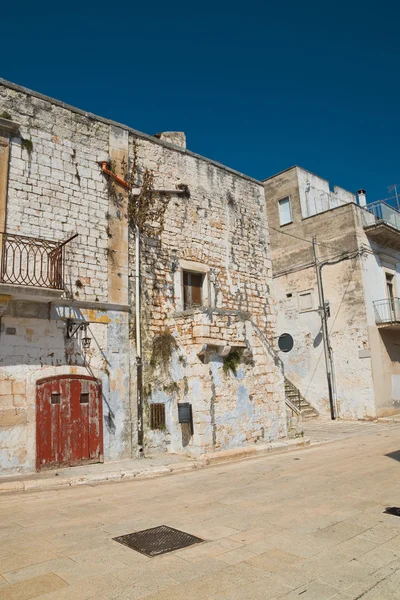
x=292, y=393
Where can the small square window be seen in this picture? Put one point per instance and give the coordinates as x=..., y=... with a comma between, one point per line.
x=157, y=416
x=192, y=289
x=285, y=211
x=84, y=398
x=55, y=398
x=305, y=301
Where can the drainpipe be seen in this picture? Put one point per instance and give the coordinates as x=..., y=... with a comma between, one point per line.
x=330, y=367
x=325, y=332
x=139, y=362
x=182, y=190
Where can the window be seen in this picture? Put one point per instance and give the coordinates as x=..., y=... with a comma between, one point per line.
x=192, y=289
x=55, y=398
x=390, y=286
x=157, y=416
x=285, y=211
x=305, y=301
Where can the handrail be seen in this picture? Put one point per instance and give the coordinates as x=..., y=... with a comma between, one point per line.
x=387, y=310
x=292, y=406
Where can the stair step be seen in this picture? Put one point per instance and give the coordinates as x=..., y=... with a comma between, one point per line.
x=293, y=394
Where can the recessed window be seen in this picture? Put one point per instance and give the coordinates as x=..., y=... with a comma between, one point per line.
x=55, y=398
x=285, y=211
x=157, y=416
x=84, y=398
x=305, y=301
x=192, y=289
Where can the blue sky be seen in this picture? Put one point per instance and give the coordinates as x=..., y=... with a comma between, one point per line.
x=259, y=86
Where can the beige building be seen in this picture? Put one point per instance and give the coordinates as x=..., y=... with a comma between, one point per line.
x=136, y=311
x=358, y=252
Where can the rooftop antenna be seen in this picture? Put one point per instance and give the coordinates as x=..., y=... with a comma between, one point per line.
x=393, y=188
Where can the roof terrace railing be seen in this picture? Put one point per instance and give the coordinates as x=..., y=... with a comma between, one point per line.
x=384, y=212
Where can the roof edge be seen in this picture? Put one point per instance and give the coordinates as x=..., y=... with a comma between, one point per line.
x=140, y=134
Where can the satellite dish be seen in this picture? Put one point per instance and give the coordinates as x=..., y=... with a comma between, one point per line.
x=285, y=342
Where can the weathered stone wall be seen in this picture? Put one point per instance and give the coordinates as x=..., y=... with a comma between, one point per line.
x=56, y=189
x=219, y=228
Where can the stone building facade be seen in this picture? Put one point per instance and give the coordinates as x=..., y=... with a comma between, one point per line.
x=79, y=197
x=360, y=246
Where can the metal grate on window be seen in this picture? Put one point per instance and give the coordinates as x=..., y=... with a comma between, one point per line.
x=157, y=416
x=55, y=398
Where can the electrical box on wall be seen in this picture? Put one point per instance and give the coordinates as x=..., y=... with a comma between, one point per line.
x=185, y=414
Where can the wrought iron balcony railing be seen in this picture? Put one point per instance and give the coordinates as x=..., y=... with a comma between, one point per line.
x=387, y=310
x=32, y=261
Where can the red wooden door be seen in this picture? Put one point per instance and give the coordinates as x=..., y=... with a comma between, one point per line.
x=68, y=421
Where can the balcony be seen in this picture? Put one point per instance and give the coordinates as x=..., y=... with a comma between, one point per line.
x=387, y=312
x=382, y=223
x=30, y=266
x=212, y=327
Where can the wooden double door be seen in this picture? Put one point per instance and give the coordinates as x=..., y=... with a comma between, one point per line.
x=68, y=421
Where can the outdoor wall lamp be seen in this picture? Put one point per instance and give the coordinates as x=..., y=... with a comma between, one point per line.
x=72, y=330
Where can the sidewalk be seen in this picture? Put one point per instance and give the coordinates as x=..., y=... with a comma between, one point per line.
x=323, y=430
x=138, y=468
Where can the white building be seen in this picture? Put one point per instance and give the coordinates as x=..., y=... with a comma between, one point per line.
x=360, y=246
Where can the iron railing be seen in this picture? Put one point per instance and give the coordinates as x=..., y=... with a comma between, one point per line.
x=384, y=212
x=387, y=310
x=32, y=261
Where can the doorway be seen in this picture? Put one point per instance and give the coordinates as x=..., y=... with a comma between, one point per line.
x=68, y=422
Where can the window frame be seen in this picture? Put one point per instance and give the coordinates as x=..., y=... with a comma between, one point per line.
x=303, y=293
x=288, y=198
x=189, y=273
x=193, y=267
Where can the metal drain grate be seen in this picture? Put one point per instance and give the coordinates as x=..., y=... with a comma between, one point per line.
x=392, y=510
x=157, y=540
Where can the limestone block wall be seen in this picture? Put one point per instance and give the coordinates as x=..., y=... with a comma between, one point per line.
x=55, y=186
x=219, y=228
x=55, y=189
x=33, y=346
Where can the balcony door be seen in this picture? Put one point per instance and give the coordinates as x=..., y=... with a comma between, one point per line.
x=390, y=294
x=68, y=422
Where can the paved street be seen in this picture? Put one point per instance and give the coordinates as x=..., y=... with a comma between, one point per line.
x=306, y=524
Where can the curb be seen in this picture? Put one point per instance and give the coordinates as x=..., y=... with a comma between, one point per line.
x=30, y=484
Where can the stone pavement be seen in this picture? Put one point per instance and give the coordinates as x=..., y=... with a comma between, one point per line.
x=306, y=524
x=138, y=468
x=323, y=429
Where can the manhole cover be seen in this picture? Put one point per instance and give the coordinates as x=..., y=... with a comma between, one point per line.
x=157, y=540
x=392, y=510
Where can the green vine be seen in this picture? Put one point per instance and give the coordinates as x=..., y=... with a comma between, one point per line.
x=147, y=211
x=27, y=145
x=162, y=348
x=231, y=363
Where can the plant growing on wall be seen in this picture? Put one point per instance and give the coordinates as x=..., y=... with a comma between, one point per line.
x=147, y=211
x=163, y=347
x=231, y=362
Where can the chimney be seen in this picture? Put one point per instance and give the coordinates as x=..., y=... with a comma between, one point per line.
x=362, y=197
x=177, y=138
